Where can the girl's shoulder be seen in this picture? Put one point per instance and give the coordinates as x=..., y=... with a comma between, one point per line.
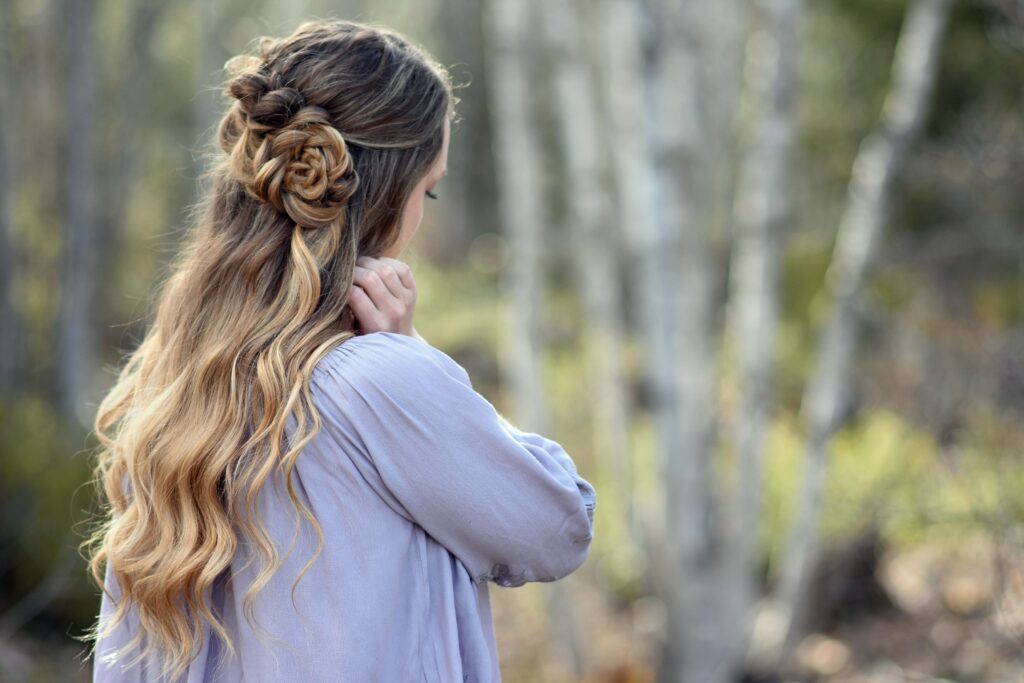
x=388, y=357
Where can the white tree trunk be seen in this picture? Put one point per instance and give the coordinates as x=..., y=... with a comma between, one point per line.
x=878, y=162
x=593, y=254
x=518, y=161
x=129, y=113
x=75, y=337
x=697, y=644
x=641, y=237
x=667, y=153
x=722, y=37
x=762, y=211
x=469, y=198
x=517, y=158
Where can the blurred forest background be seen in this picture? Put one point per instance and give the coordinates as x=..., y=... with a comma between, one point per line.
x=758, y=265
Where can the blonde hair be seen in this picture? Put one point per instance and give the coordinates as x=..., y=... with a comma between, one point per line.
x=328, y=131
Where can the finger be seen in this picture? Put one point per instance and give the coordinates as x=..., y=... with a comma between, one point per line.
x=363, y=307
x=373, y=286
x=348, y=316
x=389, y=276
x=403, y=270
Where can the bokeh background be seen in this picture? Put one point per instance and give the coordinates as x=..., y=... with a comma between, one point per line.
x=757, y=265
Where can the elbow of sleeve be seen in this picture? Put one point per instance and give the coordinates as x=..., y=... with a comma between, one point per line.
x=560, y=555
x=569, y=547
x=570, y=550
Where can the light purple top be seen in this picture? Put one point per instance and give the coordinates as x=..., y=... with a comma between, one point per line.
x=424, y=494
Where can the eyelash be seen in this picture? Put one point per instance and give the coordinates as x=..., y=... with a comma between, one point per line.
x=431, y=194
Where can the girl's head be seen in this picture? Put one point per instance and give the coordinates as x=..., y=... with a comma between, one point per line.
x=331, y=139
x=333, y=128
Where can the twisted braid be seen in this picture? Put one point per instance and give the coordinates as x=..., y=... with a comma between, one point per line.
x=286, y=152
x=253, y=304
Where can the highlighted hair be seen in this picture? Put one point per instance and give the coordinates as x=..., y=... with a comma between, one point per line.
x=328, y=131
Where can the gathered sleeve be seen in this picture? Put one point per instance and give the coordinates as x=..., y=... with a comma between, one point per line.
x=509, y=504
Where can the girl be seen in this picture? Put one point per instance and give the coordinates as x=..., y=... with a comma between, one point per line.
x=297, y=486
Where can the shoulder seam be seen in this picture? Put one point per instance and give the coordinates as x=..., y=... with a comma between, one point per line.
x=334, y=356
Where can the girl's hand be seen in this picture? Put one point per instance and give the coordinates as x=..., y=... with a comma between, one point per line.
x=383, y=297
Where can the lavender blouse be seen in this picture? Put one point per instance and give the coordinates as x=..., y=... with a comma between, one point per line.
x=425, y=495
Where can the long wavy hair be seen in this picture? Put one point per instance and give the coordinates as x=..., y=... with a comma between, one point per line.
x=328, y=131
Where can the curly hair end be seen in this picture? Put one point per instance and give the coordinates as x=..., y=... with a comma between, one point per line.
x=327, y=132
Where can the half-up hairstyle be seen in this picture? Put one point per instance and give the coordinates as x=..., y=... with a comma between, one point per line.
x=327, y=133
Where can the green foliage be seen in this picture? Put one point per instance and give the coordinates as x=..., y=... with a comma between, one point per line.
x=801, y=312
x=882, y=467
x=883, y=470
x=843, y=78
x=979, y=59
x=987, y=471
x=999, y=302
x=41, y=492
x=877, y=472
x=457, y=307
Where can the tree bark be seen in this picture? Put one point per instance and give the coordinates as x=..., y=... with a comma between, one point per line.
x=470, y=195
x=518, y=161
x=696, y=645
x=126, y=145
x=75, y=334
x=722, y=38
x=761, y=213
x=878, y=163
x=517, y=157
x=644, y=245
x=592, y=253
x=134, y=91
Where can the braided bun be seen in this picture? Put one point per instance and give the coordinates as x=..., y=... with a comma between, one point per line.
x=286, y=152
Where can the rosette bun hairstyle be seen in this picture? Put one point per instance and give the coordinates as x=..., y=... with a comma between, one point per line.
x=333, y=109
x=326, y=134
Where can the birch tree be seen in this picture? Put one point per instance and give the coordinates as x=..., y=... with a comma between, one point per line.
x=129, y=112
x=721, y=37
x=469, y=196
x=75, y=335
x=696, y=644
x=667, y=159
x=763, y=206
x=518, y=169
x=640, y=236
x=877, y=166
x=592, y=250
x=517, y=158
